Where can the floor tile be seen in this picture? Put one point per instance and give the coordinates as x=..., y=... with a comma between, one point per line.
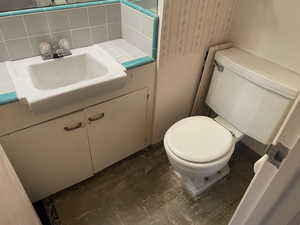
x=143, y=189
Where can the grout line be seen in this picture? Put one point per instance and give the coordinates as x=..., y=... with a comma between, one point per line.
x=80, y=28
x=48, y=24
x=2, y=36
x=27, y=34
x=106, y=24
x=58, y=8
x=101, y=25
x=6, y=48
x=69, y=28
x=90, y=27
x=135, y=30
x=25, y=37
x=3, y=41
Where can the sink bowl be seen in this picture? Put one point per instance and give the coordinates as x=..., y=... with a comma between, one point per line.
x=65, y=71
x=46, y=85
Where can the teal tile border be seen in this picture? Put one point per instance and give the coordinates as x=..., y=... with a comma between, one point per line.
x=139, y=8
x=155, y=37
x=77, y=5
x=155, y=24
x=8, y=98
x=58, y=7
x=138, y=62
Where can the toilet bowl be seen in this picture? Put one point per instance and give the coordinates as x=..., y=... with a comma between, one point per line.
x=199, y=149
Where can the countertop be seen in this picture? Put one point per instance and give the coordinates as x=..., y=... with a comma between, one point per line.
x=124, y=52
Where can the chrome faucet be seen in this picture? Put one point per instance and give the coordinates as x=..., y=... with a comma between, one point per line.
x=57, y=49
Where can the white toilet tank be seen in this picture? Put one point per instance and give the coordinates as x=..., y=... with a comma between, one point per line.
x=251, y=93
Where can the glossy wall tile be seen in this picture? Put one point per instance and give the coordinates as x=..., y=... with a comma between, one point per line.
x=20, y=35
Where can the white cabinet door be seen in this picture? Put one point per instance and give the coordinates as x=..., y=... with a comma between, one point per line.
x=51, y=156
x=117, y=128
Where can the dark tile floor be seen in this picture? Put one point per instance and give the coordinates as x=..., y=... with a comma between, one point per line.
x=143, y=190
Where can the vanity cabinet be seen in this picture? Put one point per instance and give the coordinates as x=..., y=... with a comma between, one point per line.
x=50, y=156
x=117, y=128
x=58, y=153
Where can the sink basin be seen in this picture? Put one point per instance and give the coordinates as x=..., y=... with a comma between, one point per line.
x=66, y=71
x=46, y=85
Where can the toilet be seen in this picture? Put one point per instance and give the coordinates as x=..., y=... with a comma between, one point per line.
x=250, y=97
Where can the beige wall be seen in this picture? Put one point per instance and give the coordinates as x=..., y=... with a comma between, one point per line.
x=187, y=29
x=270, y=29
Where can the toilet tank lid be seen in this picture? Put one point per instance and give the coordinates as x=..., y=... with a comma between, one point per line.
x=262, y=72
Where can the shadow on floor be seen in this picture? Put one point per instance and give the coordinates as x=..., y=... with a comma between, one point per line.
x=142, y=189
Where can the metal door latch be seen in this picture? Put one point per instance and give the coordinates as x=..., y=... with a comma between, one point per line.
x=277, y=153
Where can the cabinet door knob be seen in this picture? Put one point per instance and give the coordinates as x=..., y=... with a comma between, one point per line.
x=73, y=127
x=96, y=117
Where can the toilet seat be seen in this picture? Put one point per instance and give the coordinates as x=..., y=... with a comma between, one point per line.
x=199, y=139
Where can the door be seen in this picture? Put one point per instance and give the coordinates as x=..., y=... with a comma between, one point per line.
x=117, y=128
x=15, y=205
x=51, y=156
x=273, y=196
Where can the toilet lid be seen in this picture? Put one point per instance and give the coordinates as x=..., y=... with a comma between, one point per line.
x=199, y=139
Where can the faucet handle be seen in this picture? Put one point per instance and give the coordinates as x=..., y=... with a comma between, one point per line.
x=64, y=44
x=45, y=48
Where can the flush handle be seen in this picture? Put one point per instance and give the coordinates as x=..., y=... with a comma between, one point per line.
x=219, y=66
x=73, y=127
x=96, y=117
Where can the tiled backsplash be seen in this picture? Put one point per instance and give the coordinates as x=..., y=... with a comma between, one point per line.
x=137, y=28
x=20, y=36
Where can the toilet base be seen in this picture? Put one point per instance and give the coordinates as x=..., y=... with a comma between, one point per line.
x=195, y=187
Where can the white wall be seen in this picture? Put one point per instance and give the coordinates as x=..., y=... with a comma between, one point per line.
x=270, y=29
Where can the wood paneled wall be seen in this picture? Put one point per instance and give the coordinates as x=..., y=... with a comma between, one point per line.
x=191, y=26
x=187, y=29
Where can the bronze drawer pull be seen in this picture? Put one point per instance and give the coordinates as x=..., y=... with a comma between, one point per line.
x=96, y=117
x=73, y=127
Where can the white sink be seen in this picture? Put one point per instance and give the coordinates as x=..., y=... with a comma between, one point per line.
x=45, y=85
x=66, y=71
